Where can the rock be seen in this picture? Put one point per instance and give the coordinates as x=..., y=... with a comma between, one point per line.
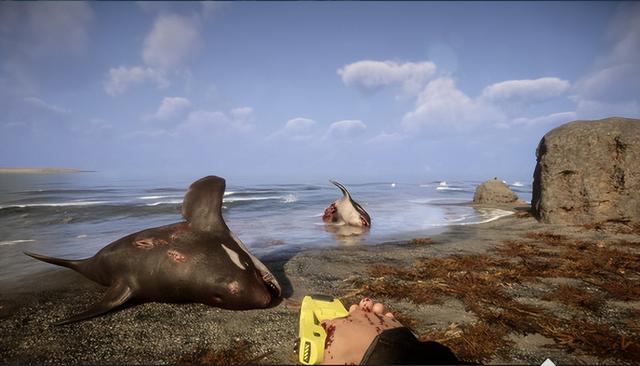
x=589, y=172
x=494, y=191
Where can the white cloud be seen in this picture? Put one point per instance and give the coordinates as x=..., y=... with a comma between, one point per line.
x=593, y=109
x=613, y=88
x=122, y=78
x=385, y=137
x=172, y=108
x=171, y=42
x=614, y=83
x=242, y=117
x=346, y=129
x=554, y=119
x=526, y=91
x=442, y=109
x=371, y=75
x=215, y=122
x=297, y=129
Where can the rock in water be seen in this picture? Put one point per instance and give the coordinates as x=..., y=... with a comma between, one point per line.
x=494, y=191
x=588, y=172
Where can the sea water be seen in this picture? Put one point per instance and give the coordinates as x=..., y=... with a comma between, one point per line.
x=75, y=215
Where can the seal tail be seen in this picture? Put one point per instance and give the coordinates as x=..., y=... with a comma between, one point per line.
x=69, y=263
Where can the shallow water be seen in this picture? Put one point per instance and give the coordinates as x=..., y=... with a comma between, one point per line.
x=75, y=215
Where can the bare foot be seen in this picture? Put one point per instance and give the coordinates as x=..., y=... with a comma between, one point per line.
x=349, y=338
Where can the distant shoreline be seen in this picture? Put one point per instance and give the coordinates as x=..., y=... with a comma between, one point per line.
x=40, y=170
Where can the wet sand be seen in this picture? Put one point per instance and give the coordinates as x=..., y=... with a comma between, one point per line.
x=156, y=333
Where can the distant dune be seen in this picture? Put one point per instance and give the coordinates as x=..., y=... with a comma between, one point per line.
x=38, y=170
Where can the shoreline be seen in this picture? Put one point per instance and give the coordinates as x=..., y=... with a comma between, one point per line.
x=196, y=333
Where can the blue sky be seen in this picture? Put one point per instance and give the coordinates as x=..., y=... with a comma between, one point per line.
x=306, y=91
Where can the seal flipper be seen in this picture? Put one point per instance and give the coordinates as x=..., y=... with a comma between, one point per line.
x=115, y=296
x=202, y=206
x=342, y=188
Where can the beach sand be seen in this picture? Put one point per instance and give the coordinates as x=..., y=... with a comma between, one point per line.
x=479, y=327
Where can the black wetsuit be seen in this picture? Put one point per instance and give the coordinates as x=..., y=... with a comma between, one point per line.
x=400, y=346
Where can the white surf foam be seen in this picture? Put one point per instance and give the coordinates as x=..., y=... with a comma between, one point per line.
x=58, y=204
x=489, y=215
x=12, y=242
x=517, y=184
x=290, y=198
x=447, y=188
x=152, y=197
x=170, y=202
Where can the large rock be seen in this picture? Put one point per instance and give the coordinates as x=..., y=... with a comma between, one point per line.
x=588, y=172
x=494, y=191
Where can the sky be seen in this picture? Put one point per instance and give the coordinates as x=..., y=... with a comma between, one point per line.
x=308, y=91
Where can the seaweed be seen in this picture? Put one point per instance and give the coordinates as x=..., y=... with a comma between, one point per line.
x=476, y=343
x=421, y=241
x=482, y=281
x=575, y=297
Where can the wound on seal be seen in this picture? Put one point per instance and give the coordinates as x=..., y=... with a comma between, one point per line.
x=176, y=256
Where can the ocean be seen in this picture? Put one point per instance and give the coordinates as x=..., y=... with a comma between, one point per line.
x=75, y=215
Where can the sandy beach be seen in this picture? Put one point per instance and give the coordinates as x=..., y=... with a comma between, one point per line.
x=506, y=291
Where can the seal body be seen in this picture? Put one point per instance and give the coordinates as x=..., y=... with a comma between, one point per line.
x=197, y=260
x=346, y=211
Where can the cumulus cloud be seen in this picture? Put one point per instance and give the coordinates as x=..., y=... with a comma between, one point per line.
x=385, y=137
x=242, y=117
x=297, y=129
x=526, y=91
x=344, y=130
x=171, y=42
x=369, y=75
x=442, y=108
x=172, y=108
x=122, y=78
x=215, y=122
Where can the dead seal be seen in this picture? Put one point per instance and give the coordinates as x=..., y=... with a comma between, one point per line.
x=346, y=211
x=197, y=260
